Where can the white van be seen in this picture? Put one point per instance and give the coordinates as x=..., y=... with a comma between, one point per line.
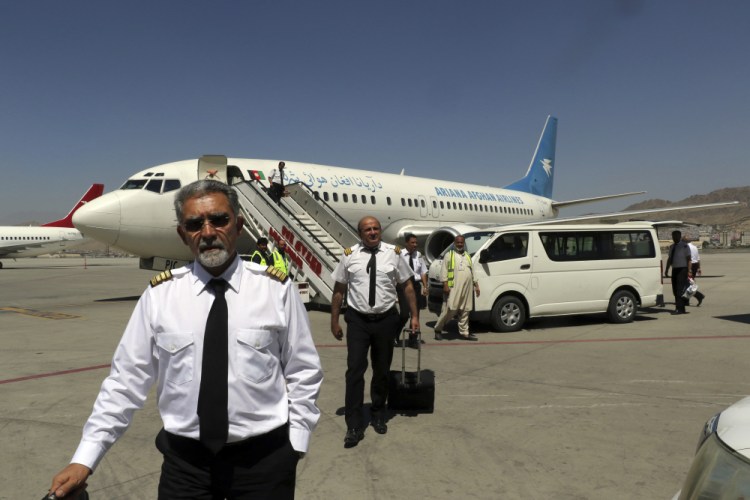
x=531, y=271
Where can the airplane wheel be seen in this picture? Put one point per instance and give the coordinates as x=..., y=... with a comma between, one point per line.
x=622, y=307
x=508, y=314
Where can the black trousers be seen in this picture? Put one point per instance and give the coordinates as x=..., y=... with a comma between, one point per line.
x=262, y=467
x=679, y=283
x=276, y=191
x=694, y=267
x=363, y=335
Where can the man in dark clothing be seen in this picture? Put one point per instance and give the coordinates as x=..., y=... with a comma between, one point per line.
x=679, y=261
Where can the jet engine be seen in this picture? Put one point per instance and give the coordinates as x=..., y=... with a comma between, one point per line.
x=441, y=238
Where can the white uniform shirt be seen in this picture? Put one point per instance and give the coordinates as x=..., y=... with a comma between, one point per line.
x=391, y=270
x=275, y=177
x=274, y=372
x=419, y=268
x=694, y=255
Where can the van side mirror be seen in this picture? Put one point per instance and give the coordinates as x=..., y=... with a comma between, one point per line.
x=483, y=256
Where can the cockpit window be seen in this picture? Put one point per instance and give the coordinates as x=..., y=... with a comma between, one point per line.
x=171, y=185
x=154, y=185
x=134, y=184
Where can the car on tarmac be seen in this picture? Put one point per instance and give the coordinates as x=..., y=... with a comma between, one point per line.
x=721, y=466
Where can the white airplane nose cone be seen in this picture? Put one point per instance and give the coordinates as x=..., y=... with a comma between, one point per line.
x=100, y=218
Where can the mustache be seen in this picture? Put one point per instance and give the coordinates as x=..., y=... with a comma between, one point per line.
x=213, y=244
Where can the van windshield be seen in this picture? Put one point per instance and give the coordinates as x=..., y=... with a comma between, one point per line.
x=474, y=241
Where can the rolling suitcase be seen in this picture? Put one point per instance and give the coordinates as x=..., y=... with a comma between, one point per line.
x=411, y=391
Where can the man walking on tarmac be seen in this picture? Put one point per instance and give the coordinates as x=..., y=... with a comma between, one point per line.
x=459, y=288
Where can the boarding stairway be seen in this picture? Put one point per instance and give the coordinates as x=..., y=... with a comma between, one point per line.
x=315, y=234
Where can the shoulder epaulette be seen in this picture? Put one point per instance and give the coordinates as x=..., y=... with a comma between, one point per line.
x=277, y=273
x=397, y=249
x=348, y=251
x=161, y=277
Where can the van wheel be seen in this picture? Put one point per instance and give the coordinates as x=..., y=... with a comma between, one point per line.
x=622, y=307
x=508, y=314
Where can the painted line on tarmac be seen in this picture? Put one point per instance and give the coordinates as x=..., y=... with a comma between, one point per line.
x=53, y=374
x=38, y=314
x=464, y=343
x=441, y=344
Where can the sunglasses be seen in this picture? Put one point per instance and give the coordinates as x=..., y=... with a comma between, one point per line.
x=216, y=220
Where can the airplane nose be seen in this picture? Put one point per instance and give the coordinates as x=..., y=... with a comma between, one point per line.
x=100, y=218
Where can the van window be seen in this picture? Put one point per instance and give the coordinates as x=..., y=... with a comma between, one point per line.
x=508, y=246
x=598, y=245
x=474, y=241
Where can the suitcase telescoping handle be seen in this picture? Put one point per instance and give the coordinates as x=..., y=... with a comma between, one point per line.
x=418, y=333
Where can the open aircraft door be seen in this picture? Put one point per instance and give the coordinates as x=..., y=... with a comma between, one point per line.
x=213, y=167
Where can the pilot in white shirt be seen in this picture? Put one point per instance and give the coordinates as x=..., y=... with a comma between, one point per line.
x=371, y=271
x=273, y=369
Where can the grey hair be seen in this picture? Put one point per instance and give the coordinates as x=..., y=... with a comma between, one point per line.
x=201, y=188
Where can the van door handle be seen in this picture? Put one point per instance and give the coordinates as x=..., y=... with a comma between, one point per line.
x=526, y=266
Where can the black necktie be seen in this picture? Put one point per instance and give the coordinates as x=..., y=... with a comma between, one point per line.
x=372, y=270
x=212, y=399
x=411, y=262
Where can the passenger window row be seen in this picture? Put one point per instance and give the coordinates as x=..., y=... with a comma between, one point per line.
x=412, y=202
x=25, y=238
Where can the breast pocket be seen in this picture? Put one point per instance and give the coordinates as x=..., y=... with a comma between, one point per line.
x=255, y=360
x=176, y=356
x=388, y=271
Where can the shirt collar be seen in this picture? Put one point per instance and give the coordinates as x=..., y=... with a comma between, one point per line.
x=367, y=249
x=231, y=275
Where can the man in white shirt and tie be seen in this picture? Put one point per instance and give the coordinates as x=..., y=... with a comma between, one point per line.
x=229, y=347
x=413, y=259
x=371, y=271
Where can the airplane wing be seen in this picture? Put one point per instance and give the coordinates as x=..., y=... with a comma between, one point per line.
x=614, y=217
x=556, y=205
x=9, y=249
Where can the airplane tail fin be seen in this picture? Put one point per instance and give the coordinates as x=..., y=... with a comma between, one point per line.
x=540, y=175
x=94, y=191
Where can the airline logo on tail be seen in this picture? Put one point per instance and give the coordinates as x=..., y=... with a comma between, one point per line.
x=539, y=177
x=93, y=192
x=547, y=166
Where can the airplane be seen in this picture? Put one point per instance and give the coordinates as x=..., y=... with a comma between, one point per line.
x=30, y=241
x=139, y=217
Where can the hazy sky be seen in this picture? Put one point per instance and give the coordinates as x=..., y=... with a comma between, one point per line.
x=650, y=95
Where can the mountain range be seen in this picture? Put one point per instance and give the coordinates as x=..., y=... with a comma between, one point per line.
x=734, y=217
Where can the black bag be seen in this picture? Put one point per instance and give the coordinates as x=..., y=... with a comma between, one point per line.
x=411, y=391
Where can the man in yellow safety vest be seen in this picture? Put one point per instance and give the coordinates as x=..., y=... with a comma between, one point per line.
x=459, y=286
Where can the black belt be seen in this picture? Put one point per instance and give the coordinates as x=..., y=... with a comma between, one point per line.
x=374, y=316
x=192, y=449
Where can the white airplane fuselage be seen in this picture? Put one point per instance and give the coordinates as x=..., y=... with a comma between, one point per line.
x=142, y=221
x=31, y=241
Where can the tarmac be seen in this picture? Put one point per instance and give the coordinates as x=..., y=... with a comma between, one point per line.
x=568, y=408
